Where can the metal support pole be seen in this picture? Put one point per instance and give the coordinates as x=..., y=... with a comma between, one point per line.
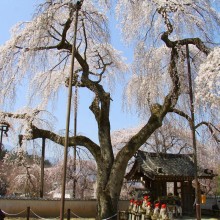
x=192, y=125
x=42, y=168
x=78, y=6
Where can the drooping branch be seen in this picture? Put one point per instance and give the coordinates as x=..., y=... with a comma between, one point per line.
x=181, y=113
x=212, y=128
x=56, y=31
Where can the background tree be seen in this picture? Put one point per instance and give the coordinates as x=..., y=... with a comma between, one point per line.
x=3, y=179
x=84, y=177
x=23, y=173
x=218, y=188
x=3, y=153
x=39, y=52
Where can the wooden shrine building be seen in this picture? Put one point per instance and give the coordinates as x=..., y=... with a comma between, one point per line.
x=157, y=171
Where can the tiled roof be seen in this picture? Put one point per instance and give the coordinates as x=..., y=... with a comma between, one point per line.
x=155, y=165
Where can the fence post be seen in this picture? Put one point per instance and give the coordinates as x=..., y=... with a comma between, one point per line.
x=68, y=214
x=28, y=213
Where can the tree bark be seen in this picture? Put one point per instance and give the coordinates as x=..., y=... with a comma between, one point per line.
x=108, y=192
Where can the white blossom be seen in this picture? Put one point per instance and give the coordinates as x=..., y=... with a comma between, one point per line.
x=208, y=81
x=32, y=56
x=141, y=19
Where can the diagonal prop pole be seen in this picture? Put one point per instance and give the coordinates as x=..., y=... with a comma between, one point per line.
x=78, y=6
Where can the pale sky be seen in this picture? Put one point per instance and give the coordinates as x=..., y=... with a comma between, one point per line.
x=13, y=11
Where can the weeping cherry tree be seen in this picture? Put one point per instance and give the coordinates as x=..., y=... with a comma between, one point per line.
x=39, y=54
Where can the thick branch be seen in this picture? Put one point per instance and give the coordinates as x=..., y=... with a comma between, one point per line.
x=25, y=116
x=172, y=97
x=73, y=141
x=41, y=133
x=195, y=41
x=158, y=113
x=94, y=107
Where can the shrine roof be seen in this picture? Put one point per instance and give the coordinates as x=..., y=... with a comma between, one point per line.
x=159, y=165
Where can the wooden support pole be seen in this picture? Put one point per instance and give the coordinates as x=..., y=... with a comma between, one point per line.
x=68, y=214
x=192, y=126
x=42, y=168
x=28, y=213
x=66, y=145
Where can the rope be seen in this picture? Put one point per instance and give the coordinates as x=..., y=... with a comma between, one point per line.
x=42, y=217
x=51, y=218
x=102, y=219
x=110, y=217
x=76, y=215
x=13, y=214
